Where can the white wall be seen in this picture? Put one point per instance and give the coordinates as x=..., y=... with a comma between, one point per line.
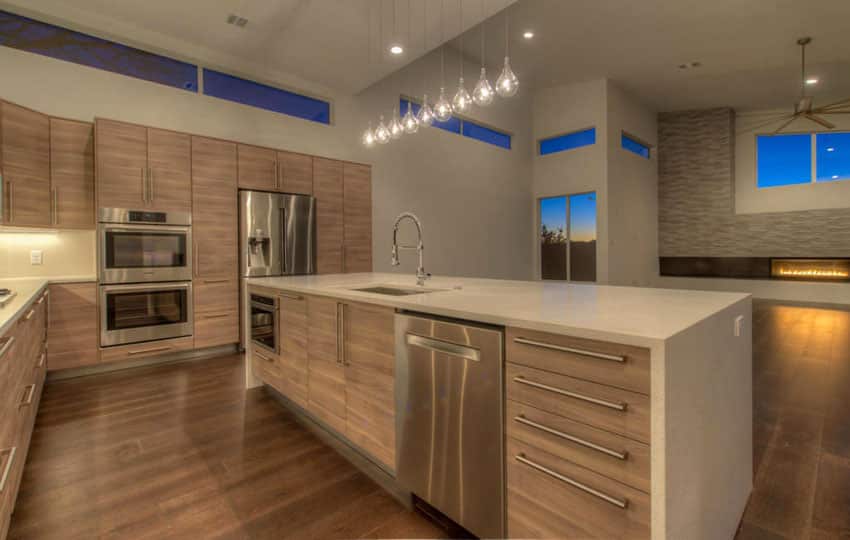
x=473, y=198
x=751, y=200
x=64, y=253
x=632, y=192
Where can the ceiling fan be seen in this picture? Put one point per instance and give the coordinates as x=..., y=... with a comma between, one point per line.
x=804, y=108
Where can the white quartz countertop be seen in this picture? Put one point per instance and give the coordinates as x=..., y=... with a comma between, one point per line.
x=631, y=315
x=27, y=289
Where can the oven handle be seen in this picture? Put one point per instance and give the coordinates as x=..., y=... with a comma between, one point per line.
x=264, y=307
x=146, y=287
x=149, y=228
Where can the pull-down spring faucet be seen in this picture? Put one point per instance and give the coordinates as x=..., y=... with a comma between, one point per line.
x=421, y=274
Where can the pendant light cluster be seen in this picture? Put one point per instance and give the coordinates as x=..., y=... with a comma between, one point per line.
x=483, y=94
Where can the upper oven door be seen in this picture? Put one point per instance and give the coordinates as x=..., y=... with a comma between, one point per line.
x=144, y=253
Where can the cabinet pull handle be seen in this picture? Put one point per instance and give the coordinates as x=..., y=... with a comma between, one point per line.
x=41, y=360
x=592, y=354
x=620, y=503
x=214, y=281
x=290, y=296
x=444, y=347
x=29, y=315
x=8, y=468
x=54, y=194
x=143, y=176
x=572, y=438
x=10, y=188
x=340, y=333
x=2, y=198
x=217, y=316
x=146, y=351
x=152, y=182
x=196, y=257
x=260, y=356
x=6, y=345
x=596, y=401
x=29, y=393
x=276, y=175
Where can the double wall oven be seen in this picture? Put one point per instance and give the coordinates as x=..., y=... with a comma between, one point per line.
x=145, y=275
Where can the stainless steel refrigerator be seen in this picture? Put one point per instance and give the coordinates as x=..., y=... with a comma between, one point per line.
x=277, y=234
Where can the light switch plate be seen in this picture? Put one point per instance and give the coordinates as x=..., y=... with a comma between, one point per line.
x=739, y=325
x=36, y=257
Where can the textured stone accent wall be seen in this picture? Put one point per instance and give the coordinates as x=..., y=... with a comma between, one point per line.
x=696, y=214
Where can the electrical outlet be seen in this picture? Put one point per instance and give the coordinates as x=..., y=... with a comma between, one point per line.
x=36, y=257
x=739, y=326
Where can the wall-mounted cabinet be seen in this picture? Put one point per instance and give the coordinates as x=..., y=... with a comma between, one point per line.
x=357, y=213
x=24, y=167
x=72, y=174
x=328, y=190
x=264, y=169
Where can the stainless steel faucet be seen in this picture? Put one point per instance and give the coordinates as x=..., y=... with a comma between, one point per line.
x=421, y=274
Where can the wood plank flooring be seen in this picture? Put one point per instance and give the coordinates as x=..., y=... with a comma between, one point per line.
x=182, y=451
x=801, y=432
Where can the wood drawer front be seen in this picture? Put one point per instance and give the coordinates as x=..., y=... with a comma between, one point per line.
x=597, y=361
x=216, y=294
x=568, y=501
x=216, y=328
x=266, y=365
x=612, y=409
x=146, y=350
x=608, y=454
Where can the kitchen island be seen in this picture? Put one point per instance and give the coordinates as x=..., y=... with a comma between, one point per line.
x=628, y=410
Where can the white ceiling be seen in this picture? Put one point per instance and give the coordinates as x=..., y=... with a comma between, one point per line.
x=746, y=47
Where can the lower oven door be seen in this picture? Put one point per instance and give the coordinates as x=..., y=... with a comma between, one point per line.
x=138, y=313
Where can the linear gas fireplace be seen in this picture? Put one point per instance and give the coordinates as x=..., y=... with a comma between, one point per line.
x=810, y=269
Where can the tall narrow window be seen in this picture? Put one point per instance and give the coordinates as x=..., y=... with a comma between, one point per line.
x=568, y=237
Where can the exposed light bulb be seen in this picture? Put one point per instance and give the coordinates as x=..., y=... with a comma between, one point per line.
x=483, y=93
x=382, y=134
x=369, y=137
x=528, y=34
x=396, y=130
x=462, y=99
x=507, y=83
x=409, y=122
x=426, y=113
x=396, y=49
x=443, y=109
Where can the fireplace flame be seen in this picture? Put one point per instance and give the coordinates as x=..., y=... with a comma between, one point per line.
x=814, y=273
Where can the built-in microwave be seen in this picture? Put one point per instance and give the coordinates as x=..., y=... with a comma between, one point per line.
x=137, y=246
x=145, y=312
x=264, y=318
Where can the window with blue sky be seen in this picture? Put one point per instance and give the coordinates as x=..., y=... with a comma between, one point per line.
x=802, y=158
x=635, y=146
x=568, y=141
x=467, y=128
x=568, y=237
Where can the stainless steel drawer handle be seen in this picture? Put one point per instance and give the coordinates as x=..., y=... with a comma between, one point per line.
x=290, y=296
x=218, y=316
x=214, y=281
x=29, y=315
x=29, y=393
x=596, y=401
x=444, y=347
x=146, y=351
x=572, y=438
x=8, y=468
x=619, y=503
x=6, y=345
x=41, y=360
x=592, y=354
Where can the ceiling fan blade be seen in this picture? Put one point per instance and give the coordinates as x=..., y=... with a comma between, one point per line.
x=836, y=105
x=825, y=123
x=772, y=120
x=786, y=123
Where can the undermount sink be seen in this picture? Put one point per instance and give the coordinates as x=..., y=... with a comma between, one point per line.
x=395, y=291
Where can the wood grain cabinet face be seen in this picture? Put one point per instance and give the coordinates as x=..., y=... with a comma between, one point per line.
x=25, y=166
x=216, y=311
x=293, y=347
x=257, y=168
x=328, y=190
x=326, y=386
x=72, y=173
x=122, y=160
x=296, y=173
x=72, y=329
x=357, y=202
x=169, y=170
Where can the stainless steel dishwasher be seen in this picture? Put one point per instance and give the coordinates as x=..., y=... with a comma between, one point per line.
x=449, y=421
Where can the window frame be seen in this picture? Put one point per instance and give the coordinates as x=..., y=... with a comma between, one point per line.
x=813, y=154
x=567, y=234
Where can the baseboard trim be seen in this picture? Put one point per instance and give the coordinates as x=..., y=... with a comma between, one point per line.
x=182, y=356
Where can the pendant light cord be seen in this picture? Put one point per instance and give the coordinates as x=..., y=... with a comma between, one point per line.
x=460, y=5
x=507, y=33
x=442, y=48
x=483, y=26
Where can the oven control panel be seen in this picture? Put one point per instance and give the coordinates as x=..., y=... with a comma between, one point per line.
x=138, y=216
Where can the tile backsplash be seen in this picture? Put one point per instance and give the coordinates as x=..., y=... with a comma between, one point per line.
x=64, y=253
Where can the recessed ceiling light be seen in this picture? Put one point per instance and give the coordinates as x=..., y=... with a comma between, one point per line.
x=396, y=49
x=236, y=20
x=690, y=65
x=528, y=34
x=812, y=80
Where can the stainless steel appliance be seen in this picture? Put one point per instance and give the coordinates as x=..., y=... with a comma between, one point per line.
x=137, y=246
x=144, y=312
x=264, y=316
x=449, y=420
x=277, y=234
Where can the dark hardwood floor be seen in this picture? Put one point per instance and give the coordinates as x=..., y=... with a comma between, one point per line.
x=181, y=451
x=801, y=432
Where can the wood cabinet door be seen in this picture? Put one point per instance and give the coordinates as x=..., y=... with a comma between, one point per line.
x=170, y=169
x=293, y=346
x=121, y=154
x=357, y=203
x=216, y=302
x=26, y=166
x=328, y=190
x=214, y=214
x=72, y=327
x=257, y=168
x=72, y=173
x=326, y=384
x=296, y=173
x=369, y=358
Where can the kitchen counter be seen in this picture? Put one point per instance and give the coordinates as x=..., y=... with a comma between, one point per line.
x=630, y=315
x=27, y=289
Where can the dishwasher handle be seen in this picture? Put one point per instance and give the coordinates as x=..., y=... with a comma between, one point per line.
x=444, y=347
